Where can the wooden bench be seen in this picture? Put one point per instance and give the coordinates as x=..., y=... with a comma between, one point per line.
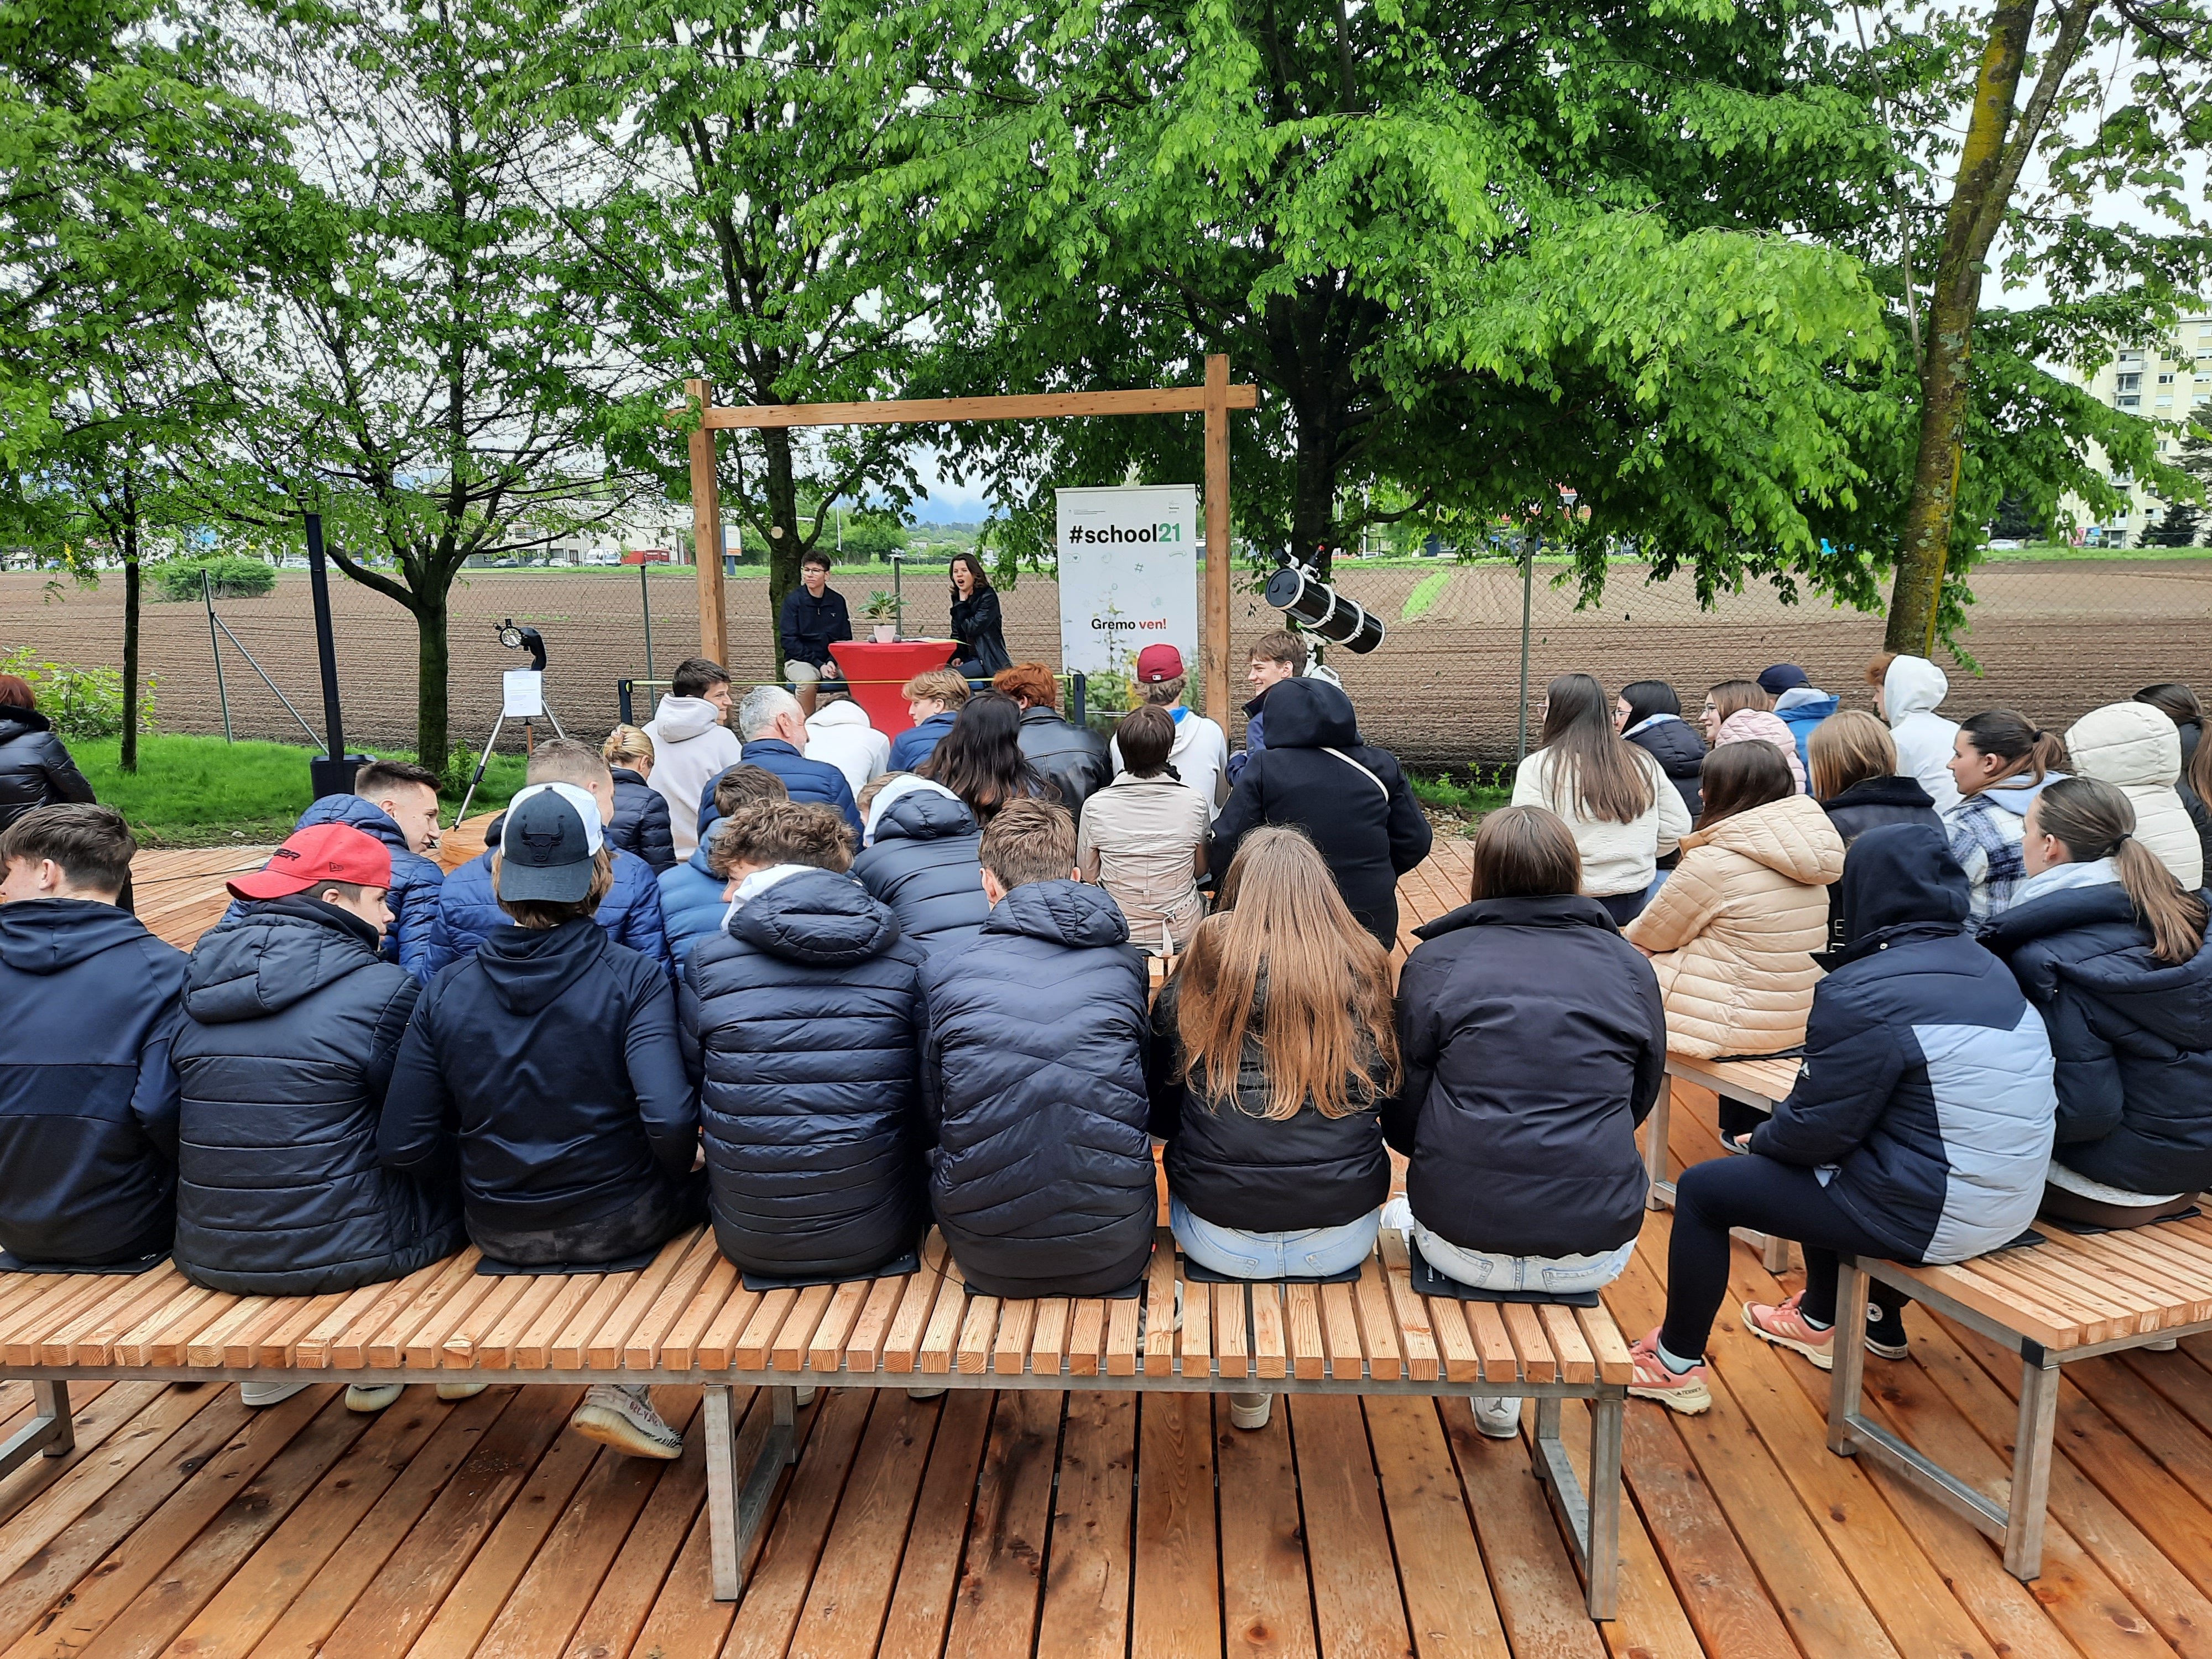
x=2070, y=1299
x=687, y=1318
x=1758, y=1084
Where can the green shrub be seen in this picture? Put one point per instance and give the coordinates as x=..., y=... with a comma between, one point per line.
x=82, y=702
x=233, y=577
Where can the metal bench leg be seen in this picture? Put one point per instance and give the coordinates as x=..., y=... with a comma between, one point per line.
x=1608, y=1413
x=50, y=1432
x=2031, y=1462
x=1848, y=1377
x=735, y=1511
x=1659, y=1193
x=1774, y=1254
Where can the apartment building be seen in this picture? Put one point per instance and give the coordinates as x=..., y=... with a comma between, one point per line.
x=2166, y=380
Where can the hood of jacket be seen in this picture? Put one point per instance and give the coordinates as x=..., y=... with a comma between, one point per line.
x=840, y=714
x=1807, y=703
x=2016, y=795
x=365, y=816
x=1888, y=791
x=1913, y=685
x=1756, y=725
x=48, y=936
x=529, y=968
x=1673, y=742
x=2129, y=745
x=1546, y=910
x=1791, y=836
x=817, y=917
x=923, y=812
x=684, y=717
x=269, y=955
x=14, y=722
x=1310, y=713
x=1067, y=913
x=1898, y=879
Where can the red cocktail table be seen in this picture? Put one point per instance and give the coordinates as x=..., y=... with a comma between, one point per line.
x=876, y=672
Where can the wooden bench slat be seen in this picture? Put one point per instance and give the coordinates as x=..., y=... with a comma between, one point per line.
x=1121, y=1321
x=789, y=1352
x=135, y=1346
x=348, y=1347
x=1086, y=1340
x=977, y=1328
x=942, y=1335
x=1231, y=1344
x=533, y=1350
x=1194, y=1353
x=864, y=1348
x=641, y=1346
x=1607, y=1345
x=1270, y=1342
x=1302, y=1323
x=759, y=1334
x=459, y=1351
x=1416, y=1336
x=718, y=1344
x=824, y=1351
x=679, y=1349
x=1522, y=1324
x=425, y=1344
x=902, y=1350
x=167, y=1347
x=572, y=1348
x=1378, y=1331
x=1577, y=1362
x=312, y=1351
x=1493, y=1341
x=1339, y=1318
x=273, y=1347
x=1463, y=1361
x=55, y=1348
x=496, y=1352
x=1011, y=1353
x=1048, y=1337
x=602, y=1349
x=1159, y=1311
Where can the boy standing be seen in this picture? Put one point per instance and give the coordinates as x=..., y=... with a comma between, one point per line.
x=1033, y=1077
x=88, y=1095
x=1276, y=657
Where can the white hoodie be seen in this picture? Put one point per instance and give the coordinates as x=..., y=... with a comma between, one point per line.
x=2137, y=749
x=690, y=748
x=840, y=733
x=1199, y=757
x=1910, y=691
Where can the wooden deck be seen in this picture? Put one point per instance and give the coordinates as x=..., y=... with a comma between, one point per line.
x=1082, y=1523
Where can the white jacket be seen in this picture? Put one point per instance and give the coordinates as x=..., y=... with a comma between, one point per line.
x=840, y=733
x=1617, y=858
x=1910, y=691
x=1199, y=757
x=2137, y=749
x=690, y=748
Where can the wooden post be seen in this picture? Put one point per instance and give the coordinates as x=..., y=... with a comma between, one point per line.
x=706, y=535
x=1218, y=556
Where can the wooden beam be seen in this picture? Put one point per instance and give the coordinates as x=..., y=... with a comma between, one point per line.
x=706, y=533
x=1154, y=400
x=1219, y=554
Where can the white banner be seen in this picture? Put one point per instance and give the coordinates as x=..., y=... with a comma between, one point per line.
x=1129, y=575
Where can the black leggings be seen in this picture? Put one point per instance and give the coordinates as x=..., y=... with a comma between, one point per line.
x=1785, y=1199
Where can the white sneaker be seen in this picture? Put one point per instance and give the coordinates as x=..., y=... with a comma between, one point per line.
x=1497, y=1417
x=620, y=1415
x=372, y=1396
x=1250, y=1411
x=268, y=1394
x=461, y=1390
x=926, y=1394
x=803, y=1395
x=2163, y=1344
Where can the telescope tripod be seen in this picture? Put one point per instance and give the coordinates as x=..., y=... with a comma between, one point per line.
x=485, y=759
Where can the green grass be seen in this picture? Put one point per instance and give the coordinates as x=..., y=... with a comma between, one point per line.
x=1472, y=797
x=198, y=792
x=2049, y=553
x=1425, y=594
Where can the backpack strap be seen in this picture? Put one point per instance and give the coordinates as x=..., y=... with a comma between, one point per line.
x=1358, y=768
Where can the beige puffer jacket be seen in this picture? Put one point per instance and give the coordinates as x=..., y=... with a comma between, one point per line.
x=2137, y=749
x=1733, y=931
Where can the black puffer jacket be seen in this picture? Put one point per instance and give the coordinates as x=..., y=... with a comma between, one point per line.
x=88, y=1095
x=2132, y=1036
x=1869, y=804
x=36, y=767
x=641, y=824
x=1534, y=1044
x=1675, y=744
x=292, y=1024
x=1236, y=1167
x=1369, y=828
x=1033, y=1078
x=804, y=1022
x=2200, y=813
x=924, y=865
x=1077, y=760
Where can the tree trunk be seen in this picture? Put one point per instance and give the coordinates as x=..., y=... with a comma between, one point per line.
x=433, y=740
x=1313, y=496
x=780, y=488
x=130, y=757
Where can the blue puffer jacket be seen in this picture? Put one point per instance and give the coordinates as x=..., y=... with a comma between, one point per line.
x=804, y=1021
x=469, y=913
x=1927, y=1086
x=924, y=865
x=641, y=823
x=416, y=882
x=1800, y=708
x=292, y=1026
x=918, y=743
x=691, y=905
x=88, y=1095
x=810, y=781
x=1033, y=1078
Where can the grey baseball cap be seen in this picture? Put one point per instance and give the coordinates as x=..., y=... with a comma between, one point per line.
x=547, y=843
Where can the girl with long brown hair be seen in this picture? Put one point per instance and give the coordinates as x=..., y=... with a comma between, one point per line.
x=976, y=622
x=2000, y=762
x=2180, y=704
x=1273, y=1046
x=1619, y=807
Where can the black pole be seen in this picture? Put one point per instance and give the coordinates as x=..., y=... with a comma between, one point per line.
x=333, y=771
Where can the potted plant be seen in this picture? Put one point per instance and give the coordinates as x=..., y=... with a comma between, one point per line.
x=882, y=610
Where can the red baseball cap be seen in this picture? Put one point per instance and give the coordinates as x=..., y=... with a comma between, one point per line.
x=320, y=854
x=1156, y=663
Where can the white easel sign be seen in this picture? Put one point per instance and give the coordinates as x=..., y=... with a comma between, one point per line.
x=524, y=693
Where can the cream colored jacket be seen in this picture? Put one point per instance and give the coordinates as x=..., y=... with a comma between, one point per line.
x=1733, y=931
x=1617, y=858
x=2137, y=749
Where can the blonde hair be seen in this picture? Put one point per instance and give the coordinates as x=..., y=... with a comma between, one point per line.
x=1848, y=748
x=946, y=685
x=626, y=745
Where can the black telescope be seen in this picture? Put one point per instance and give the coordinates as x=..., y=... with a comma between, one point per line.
x=524, y=639
x=1325, y=612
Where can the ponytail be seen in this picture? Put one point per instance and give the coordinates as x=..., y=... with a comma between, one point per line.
x=2094, y=820
x=2016, y=740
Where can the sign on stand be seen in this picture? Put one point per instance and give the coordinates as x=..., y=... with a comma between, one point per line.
x=1129, y=575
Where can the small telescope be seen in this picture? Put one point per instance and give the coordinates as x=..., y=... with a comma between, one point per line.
x=1302, y=593
x=524, y=639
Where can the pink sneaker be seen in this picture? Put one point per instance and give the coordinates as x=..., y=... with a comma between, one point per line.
x=1679, y=1391
x=1785, y=1328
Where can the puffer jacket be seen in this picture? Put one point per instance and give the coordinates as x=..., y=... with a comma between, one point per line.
x=804, y=1023
x=416, y=881
x=1733, y=933
x=36, y=767
x=924, y=865
x=292, y=1025
x=1073, y=758
x=1926, y=1094
x=87, y=1093
x=468, y=912
x=1534, y=1044
x=1985, y=831
x=1803, y=708
x=812, y=782
x=918, y=743
x=1236, y=1167
x=2132, y=1036
x=1033, y=1083
x=1867, y=804
x=642, y=826
x=2200, y=813
x=1675, y=744
x=691, y=905
x=1911, y=690
x=2137, y=749
x=1756, y=725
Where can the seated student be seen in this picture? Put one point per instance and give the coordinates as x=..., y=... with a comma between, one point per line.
x=553, y=1050
x=292, y=1024
x=2001, y=761
x=1919, y=1132
x=924, y=859
x=2180, y=704
x=1271, y=1046
x=2112, y=951
x=1649, y=715
x=1033, y=1077
x=396, y=802
x=1200, y=756
x=2137, y=748
x=980, y=758
x=1350, y=797
x=1906, y=690
x=1855, y=778
x=88, y=1095
x=641, y=824
x=934, y=700
x=1534, y=1044
x=775, y=737
x=691, y=745
x=840, y=733
x=1612, y=795
x=1144, y=838
x=1072, y=757
x=1798, y=703
x=1736, y=712
x=802, y=1019
x=1275, y=657
x=692, y=899
x=468, y=912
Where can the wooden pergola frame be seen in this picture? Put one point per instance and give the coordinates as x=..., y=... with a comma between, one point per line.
x=1214, y=400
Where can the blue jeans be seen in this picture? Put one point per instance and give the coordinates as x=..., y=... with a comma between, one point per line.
x=1553, y=1275
x=1313, y=1253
